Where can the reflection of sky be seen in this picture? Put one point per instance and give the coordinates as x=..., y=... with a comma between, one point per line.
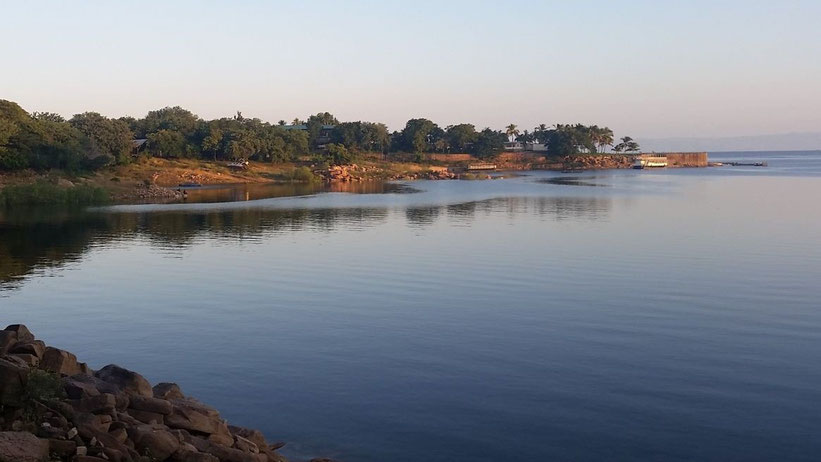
x=519, y=324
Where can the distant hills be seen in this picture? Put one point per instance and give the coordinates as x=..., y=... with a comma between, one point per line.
x=779, y=142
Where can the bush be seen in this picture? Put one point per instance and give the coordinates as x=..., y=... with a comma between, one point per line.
x=303, y=175
x=43, y=386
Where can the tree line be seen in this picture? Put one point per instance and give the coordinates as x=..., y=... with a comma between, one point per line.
x=89, y=141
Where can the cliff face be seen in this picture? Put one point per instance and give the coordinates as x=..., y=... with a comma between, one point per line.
x=52, y=405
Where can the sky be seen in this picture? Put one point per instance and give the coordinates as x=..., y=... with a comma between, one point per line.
x=644, y=68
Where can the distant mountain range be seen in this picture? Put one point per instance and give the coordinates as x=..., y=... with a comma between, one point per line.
x=779, y=142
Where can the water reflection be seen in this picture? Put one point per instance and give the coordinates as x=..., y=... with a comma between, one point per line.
x=40, y=239
x=249, y=192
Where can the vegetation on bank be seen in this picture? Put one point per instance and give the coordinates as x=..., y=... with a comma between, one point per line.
x=43, y=192
x=90, y=141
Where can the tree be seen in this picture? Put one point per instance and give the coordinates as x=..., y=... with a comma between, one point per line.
x=627, y=144
x=460, y=137
x=109, y=138
x=489, y=143
x=317, y=128
x=167, y=143
x=512, y=132
x=419, y=134
x=339, y=155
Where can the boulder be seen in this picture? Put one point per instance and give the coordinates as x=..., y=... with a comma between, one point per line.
x=104, y=403
x=222, y=435
x=61, y=362
x=156, y=405
x=32, y=347
x=7, y=340
x=126, y=380
x=22, y=447
x=254, y=436
x=23, y=333
x=13, y=376
x=62, y=448
x=226, y=454
x=192, y=417
x=30, y=360
x=187, y=455
x=157, y=443
x=167, y=390
x=147, y=417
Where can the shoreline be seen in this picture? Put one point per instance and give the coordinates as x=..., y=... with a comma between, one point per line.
x=54, y=407
x=159, y=180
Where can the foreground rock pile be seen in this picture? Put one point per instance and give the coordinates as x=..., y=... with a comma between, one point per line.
x=53, y=407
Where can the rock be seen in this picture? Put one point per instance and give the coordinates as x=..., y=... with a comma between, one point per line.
x=222, y=435
x=62, y=448
x=226, y=454
x=147, y=417
x=192, y=416
x=29, y=359
x=155, y=442
x=23, y=333
x=60, y=362
x=119, y=434
x=156, y=405
x=187, y=455
x=100, y=404
x=88, y=425
x=22, y=447
x=7, y=340
x=13, y=376
x=254, y=436
x=245, y=445
x=126, y=380
x=88, y=459
x=32, y=347
x=167, y=390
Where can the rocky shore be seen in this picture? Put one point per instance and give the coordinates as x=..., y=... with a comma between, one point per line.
x=55, y=408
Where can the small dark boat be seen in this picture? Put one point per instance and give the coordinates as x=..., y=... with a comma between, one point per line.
x=190, y=185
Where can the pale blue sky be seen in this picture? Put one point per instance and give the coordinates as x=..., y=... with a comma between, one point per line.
x=646, y=68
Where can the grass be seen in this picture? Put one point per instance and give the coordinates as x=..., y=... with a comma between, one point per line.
x=45, y=193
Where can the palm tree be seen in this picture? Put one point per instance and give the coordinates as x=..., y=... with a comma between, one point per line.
x=512, y=132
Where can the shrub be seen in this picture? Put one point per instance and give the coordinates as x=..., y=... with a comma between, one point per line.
x=303, y=175
x=45, y=193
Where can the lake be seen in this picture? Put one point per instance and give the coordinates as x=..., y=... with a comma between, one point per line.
x=612, y=315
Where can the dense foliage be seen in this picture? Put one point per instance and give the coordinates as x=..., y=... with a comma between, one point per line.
x=90, y=140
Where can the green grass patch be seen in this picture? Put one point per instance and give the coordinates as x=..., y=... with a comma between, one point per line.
x=45, y=193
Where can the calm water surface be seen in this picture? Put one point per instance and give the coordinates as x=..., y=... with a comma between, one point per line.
x=618, y=315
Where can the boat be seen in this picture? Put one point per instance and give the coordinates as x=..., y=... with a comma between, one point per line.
x=649, y=162
x=190, y=185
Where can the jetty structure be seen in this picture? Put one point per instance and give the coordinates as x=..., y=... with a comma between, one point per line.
x=671, y=159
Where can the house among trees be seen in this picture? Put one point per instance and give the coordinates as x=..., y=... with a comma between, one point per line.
x=138, y=146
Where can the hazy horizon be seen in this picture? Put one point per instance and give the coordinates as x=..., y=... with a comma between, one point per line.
x=644, y=69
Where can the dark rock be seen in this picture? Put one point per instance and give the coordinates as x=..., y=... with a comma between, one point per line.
x=60, y=362
x=7, y=340
x=146, y=416
x=100, y=404
x=88, y=459
x=22, y=447
x=156, y=405
x=13, y=375
x=118, y=433
x=190, y=418
x=88, y=425
x=62, y=448
x=156, y=442
x=226, y=454
x=222, y=435
x=126, y=380
x=23, y=333
x=187, y=455
x=167, y=390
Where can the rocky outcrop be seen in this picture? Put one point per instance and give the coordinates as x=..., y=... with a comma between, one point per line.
x=53, y=405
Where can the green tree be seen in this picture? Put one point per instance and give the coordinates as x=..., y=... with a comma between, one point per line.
x=461, y=137
x=167, y=143
x=627, y=144
x=489, y=143
x=109, y=138
x=419, y=135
